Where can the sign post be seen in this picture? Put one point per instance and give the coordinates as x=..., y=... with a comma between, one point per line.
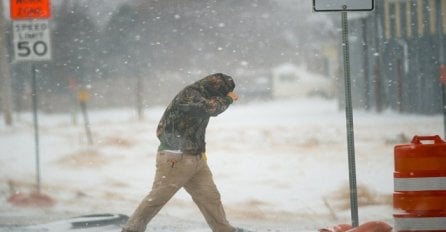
x=36, y=125
x=344, y=6
x=32, y=43
x=84, y=96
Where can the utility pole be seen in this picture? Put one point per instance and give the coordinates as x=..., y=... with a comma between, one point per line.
x=5, y=75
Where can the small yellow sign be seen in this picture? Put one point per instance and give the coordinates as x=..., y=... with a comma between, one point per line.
x=84, y=95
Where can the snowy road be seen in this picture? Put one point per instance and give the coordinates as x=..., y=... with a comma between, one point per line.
x=280, y=166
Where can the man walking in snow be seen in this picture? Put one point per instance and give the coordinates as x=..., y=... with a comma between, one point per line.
x=181, y=158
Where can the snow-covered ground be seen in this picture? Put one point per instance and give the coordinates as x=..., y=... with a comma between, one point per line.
x=279, y=165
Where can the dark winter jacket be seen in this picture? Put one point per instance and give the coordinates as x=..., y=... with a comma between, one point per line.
x=183, y=124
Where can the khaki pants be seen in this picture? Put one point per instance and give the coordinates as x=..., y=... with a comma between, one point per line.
x=174, y=171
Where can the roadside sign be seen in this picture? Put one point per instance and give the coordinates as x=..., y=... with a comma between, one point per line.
x=30, y=9
x=343, y=5
x=32, y=43
x=31, y=40
x=83, y=95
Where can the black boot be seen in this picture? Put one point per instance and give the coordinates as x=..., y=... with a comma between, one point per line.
x=242, y=230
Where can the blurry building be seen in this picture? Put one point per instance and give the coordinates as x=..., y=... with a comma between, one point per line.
x=396, y=53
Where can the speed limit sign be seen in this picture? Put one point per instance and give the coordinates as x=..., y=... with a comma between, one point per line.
x=31, y=40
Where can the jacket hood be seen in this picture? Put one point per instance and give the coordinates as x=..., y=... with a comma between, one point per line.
x=218, y=84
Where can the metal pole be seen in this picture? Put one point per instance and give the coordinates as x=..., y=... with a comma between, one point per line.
x=442, y=56
x=36, y=125
x=349, y=119
x=139, y=96
x=83, y=98
x=86, y=123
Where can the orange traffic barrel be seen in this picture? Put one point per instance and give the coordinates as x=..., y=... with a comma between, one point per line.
x=419, y=198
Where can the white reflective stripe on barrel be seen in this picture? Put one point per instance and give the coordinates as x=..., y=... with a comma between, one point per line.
x=420, y=184
x=426, y=223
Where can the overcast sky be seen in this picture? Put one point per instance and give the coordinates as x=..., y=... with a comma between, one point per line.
x=102, y=9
